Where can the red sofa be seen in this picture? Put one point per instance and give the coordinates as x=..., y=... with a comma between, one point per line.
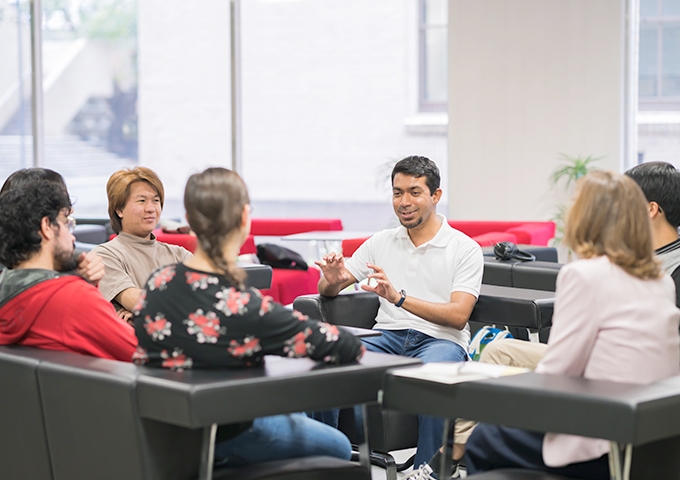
x=487, y=233
x=287, y=285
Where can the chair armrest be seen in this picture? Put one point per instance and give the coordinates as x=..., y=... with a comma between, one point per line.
x=514, y=307
x=357, y=309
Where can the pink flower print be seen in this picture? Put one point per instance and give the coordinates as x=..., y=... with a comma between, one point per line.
x=161, y=278
x=331, y=331
x=141, y=303
x=206, y=326
x=300, y=316
x=232, y=301
x=298, y=345
x=176, y=361
x=200, y=280
x=249, y=346
x=140, y=357
x=158, y=328
x=266, y=305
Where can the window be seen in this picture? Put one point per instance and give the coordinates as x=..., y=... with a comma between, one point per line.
x=433, y=35
x=659, y=65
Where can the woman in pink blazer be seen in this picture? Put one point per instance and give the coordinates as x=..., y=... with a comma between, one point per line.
x=615, y=319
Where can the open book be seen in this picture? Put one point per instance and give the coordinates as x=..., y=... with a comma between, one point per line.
x=456, y=372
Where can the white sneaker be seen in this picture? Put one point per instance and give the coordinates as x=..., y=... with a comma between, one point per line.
x=424, y=472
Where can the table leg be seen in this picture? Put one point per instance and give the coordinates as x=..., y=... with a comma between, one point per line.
x=207, y=453
x=617, y=470
x=445, y=463
x=360, y=416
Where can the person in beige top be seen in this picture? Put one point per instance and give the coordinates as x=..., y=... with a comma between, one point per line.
x=136, y=199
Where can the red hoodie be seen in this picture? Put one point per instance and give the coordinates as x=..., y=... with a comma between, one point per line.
x=64, y=313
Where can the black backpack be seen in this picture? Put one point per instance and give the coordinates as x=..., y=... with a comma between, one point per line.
x=277, y=256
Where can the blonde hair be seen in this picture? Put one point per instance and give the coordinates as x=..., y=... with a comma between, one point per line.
x=118, y=190
x=609, y=217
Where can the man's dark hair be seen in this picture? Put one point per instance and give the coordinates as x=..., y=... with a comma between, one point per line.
x=26, y=176
x=415, y=166
x=660, y=182
x=21, y=212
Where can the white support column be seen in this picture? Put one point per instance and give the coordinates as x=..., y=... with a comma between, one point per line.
x=37, y=85
x=236, y=138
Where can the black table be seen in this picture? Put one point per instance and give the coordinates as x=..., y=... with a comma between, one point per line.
x=627, y=415
x=207, y=398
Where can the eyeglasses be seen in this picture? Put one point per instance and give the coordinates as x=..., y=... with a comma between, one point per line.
x=71, y=224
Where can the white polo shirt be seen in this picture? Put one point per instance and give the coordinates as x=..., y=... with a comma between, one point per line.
x=450, y=262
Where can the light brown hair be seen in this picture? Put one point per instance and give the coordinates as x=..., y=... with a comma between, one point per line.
x=214, y=201
x=609, y=217
x=118, y=190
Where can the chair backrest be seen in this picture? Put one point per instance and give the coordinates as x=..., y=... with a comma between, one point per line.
x=543, y=254
x=498, y=272
x=87, y=233
x=259, y=276
x=24, y=453
x=536, y=275
x=94, y=429
x=357, y=309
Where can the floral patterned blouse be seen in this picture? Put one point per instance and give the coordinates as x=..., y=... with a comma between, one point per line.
x=187, y=318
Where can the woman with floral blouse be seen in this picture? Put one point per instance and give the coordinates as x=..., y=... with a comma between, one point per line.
x=198, y=314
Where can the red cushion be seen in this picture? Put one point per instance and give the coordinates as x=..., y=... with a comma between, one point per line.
x=534, y=233
x=287, y=285
x=350, y=245
x=248, y=246
x=475, y=228
x=289, y=226
x=182, y=239
x=492, y=238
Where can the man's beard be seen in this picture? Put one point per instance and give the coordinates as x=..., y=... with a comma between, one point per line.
x=411, y=224
x=64, y=260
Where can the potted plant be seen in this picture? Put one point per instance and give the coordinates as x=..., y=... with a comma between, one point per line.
x=564, y=177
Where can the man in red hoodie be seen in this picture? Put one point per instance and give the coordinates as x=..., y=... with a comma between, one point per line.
x=40, y=306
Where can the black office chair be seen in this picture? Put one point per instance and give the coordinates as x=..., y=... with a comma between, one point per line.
x=388, y=430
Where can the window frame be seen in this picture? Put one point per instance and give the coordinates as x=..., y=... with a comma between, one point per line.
x=425, y=104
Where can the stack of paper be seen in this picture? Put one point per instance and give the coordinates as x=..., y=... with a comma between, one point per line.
x=456, y=372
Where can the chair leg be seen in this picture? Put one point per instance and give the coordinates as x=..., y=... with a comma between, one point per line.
x=408, y=463
x=386, y=461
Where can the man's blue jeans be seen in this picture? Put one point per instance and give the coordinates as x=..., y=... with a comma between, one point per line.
x=280, y=437
x=412, y=343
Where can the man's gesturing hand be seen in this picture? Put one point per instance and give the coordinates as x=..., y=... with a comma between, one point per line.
x=333, y=268
x=382, y=285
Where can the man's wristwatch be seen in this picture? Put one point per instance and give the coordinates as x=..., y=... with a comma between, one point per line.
x=401, y=300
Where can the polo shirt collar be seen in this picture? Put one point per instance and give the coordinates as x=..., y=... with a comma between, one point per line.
x=441, y=238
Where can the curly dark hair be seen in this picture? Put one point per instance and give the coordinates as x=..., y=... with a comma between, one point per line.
x=416, y=166
x=21, y=212
x=26, y=176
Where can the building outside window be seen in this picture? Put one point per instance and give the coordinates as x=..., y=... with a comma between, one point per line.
x=659, y=82
x=659, y=67
x=433, y=35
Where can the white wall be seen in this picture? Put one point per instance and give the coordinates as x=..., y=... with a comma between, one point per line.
x=528, y=80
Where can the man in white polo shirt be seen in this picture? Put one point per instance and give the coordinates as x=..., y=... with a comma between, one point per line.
x=427, y=275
